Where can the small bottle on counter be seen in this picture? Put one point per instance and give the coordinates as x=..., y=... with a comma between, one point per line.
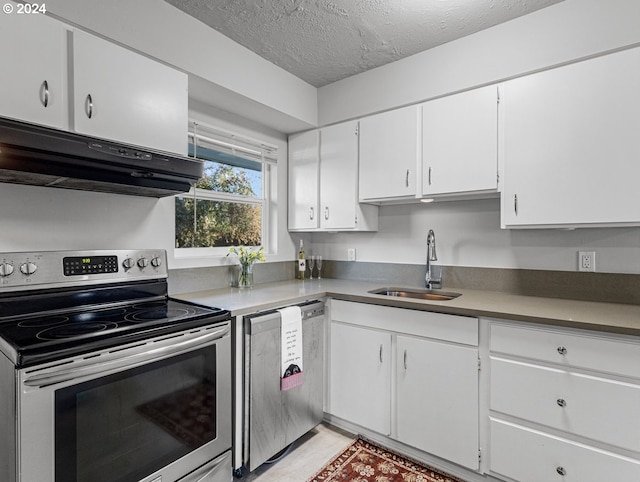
x=302, y=262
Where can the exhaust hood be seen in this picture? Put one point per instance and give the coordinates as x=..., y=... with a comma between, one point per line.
x=42, y=156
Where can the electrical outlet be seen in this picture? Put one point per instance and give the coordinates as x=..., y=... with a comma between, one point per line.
x=586, y=261
x=351, y=254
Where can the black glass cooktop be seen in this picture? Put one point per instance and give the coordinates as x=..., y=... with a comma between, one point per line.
x=46, y=337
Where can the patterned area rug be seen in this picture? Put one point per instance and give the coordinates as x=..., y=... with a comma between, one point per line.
x=363, y=461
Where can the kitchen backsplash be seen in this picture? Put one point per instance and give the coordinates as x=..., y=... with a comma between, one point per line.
x=605, y=287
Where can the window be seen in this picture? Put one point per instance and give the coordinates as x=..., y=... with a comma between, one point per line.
x=227, y=207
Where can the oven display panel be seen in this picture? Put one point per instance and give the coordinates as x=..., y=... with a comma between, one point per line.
x=82, y=265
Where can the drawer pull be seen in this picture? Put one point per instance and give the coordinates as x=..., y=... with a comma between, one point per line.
x=561, y=402
x=562, y=350
x=561, y=470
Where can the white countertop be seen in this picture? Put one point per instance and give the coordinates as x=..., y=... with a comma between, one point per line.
x=609, y=317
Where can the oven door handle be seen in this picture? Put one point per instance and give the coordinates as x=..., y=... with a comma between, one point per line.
x=115, y=361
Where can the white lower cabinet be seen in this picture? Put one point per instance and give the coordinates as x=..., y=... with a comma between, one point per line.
x=564, y=405
x=407, y=374
x=361, y=376
x=437, y=398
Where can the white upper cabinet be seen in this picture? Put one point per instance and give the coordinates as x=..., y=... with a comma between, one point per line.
x=460, y=143
x=304, y=163
x=124, y=96
x=389, y=145
x=340, y=209
x=32, y=69
x=571, y=145
x=323, y=182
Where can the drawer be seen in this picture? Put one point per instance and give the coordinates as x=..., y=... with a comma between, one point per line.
x=597, y=408
x=590, y=351
x=531, y=456
x=440, y=326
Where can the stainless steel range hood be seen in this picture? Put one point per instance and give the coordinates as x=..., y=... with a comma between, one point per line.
x=42, y=156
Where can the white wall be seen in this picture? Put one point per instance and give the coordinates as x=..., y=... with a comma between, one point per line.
x=551, y=36
x=468, y=234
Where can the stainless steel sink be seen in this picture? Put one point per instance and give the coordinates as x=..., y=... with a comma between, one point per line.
x=416, y=293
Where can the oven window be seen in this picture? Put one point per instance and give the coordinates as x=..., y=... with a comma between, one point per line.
x=122, y=427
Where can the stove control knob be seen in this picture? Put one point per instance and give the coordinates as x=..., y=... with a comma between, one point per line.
x=156, y=262
x=28, y=268
x=143, y=262
x=6, y=269
x=128, y=263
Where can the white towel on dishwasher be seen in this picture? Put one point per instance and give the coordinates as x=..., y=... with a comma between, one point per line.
x=291, y=339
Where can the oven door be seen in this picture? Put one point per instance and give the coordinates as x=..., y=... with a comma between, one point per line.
x=156, y=410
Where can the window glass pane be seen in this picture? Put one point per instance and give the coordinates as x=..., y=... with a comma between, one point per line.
x=217, y=223
x=231, y=179
x=228, y=173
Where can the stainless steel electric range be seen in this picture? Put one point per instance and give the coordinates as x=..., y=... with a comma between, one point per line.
x=103, y=377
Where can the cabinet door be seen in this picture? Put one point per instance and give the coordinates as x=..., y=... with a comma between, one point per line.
x=303, y=181
x=437, y=399
x=339, y=176
x=571, y=144
x=460, y=143
x=360, y=383
x=389, y=154
x=33, y=60
x=124, y=96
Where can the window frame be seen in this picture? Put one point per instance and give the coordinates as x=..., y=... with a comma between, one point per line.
x=264, y=201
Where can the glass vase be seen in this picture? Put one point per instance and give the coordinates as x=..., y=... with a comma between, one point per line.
x=245, y=275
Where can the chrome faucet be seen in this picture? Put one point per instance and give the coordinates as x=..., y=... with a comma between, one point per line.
x=429, y=280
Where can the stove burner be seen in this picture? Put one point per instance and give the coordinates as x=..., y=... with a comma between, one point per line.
x=39, y=322
x=74, y=329
x=159, y=313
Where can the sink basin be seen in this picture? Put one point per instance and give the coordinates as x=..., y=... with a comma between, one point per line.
x=416, y=293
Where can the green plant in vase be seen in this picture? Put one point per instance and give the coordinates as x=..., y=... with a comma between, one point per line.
x=247, y=256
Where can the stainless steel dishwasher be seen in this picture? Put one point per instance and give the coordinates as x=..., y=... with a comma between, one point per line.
x=273, y=419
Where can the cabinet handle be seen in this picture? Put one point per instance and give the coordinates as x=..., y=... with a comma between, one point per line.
x=406, y=179
x=45, y=93
x=311, y=213
x=405, y=359
x=326, y=212
x=380, y=353
x=515, y=203
x=562, y=350
x=429, y=175
x=561, y=402
x=561, y=470
x=88, y=106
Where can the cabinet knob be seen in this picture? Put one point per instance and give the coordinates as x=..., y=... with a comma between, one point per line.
x=561, y=470
x=311, y=213
x=562, y=350
x=45, y=93
x=405, y=359
x=561, y=402
x=326, y=212
x=380, y=353
x=88, y=106
x=429, y=175
x=406, y=180
x=515, y=204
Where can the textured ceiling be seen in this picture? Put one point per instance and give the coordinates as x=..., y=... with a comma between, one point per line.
x=322, y=41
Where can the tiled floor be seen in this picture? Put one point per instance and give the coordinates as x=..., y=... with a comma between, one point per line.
x=307, y=455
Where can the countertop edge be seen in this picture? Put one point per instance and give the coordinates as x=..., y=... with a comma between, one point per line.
x=596, y=316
